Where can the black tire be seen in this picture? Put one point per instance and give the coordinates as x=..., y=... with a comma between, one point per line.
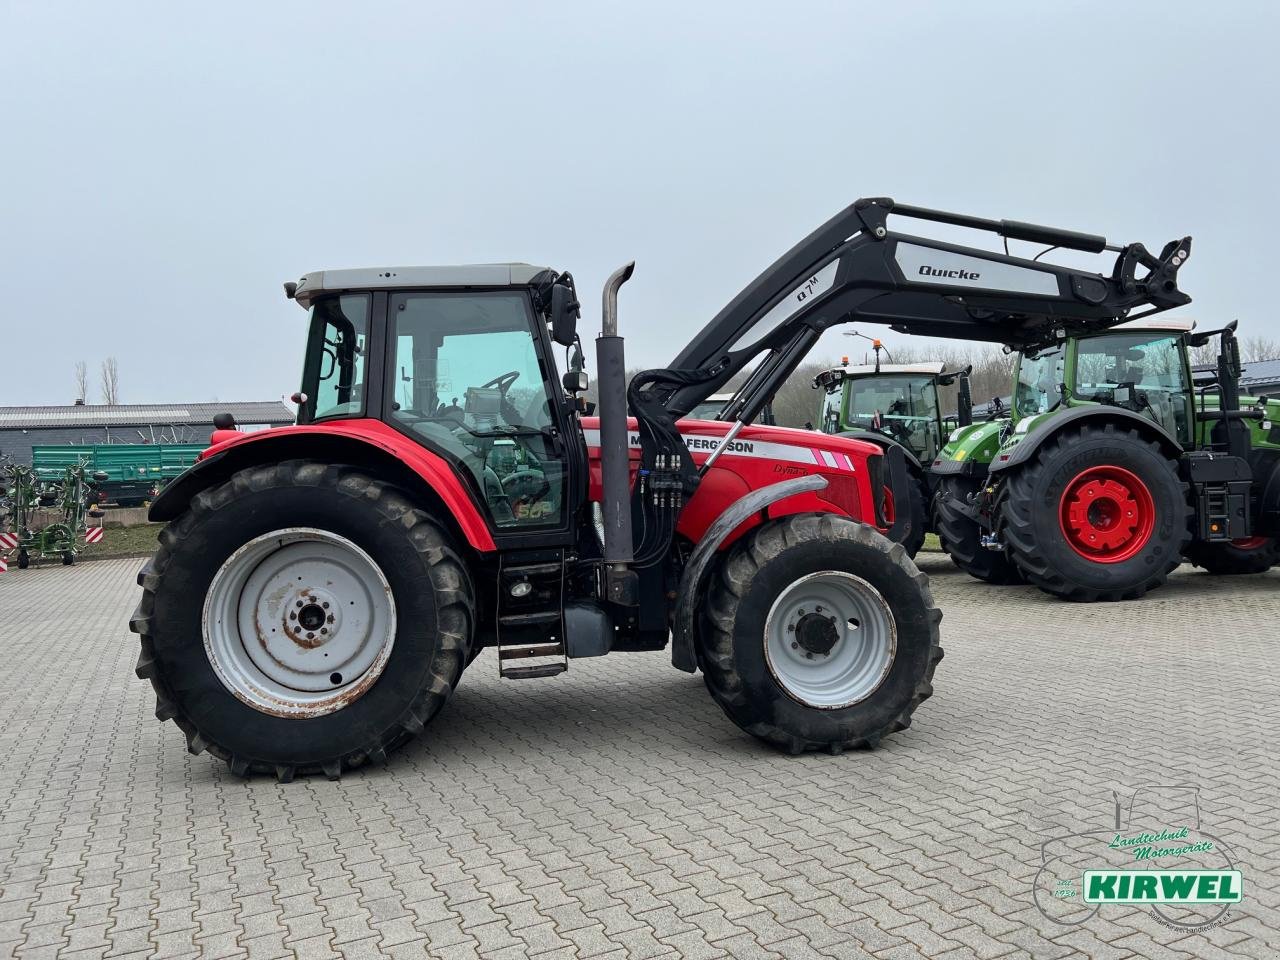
x=1227, y=559
x=24, y=560
x=1033, y=534
x=961, y=537
x=919, y=515
x=68, y=558
x=435, y=616
x=732, y=647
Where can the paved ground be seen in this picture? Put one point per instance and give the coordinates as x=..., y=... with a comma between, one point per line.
x=614, y=812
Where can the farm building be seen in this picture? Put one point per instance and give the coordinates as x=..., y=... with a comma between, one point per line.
x=21, y=428
x=1258, y=378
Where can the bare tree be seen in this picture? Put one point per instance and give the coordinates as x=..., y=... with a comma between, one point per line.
x=82, y=381
x=1259, y=348
x=109, y=381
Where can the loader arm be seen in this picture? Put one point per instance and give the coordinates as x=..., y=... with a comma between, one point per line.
x=854, y=269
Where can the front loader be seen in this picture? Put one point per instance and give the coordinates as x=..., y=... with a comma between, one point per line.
x=319, y=589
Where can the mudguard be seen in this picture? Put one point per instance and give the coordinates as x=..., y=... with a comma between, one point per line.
x=692, y=581
x=1025, y=445
x=357, y=442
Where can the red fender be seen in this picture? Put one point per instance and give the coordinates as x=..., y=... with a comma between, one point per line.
x=265, y=446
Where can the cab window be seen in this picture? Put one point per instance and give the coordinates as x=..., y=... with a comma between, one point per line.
x=1141, y=371
x=333, y=374
x=468, y=381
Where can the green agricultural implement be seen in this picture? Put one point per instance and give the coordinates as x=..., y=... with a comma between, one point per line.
x=897, y=406
x=1114, y=467
x=134, y=473
x=47, y=517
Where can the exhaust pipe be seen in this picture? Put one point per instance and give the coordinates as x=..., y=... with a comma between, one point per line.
x=615, y=454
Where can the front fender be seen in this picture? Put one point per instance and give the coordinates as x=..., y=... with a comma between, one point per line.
x=362, y=443
x=1024, y=449
x=884, y=443
x=692, y=581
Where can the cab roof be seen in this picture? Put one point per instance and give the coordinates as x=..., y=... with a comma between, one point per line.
x=471, y=275
x=1174, y=324
x=932, y=368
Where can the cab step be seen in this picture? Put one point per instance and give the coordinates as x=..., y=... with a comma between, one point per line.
x=533, y=670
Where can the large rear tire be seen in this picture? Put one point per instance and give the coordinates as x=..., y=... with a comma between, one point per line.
x=272, y=578
x=1255, y=555
x=819, y=634
x=961, y=537
x=1098, y=513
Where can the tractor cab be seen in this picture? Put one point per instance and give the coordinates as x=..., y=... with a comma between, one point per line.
x=459, y=360
x=897, y=401
x=1141, y=366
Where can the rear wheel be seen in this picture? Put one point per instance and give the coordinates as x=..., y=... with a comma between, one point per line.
x=302, y=617
x=1097, y=514
x=819, y=633
x=1251, y=555
x=68, y=558
x=24, y=559
x=961, y=536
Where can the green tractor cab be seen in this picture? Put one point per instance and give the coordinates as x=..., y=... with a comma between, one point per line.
x=897, y=405
x=1115, y=466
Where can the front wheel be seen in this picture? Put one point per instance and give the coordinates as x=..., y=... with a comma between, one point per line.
x=961, y=536
x=1251, y=555
x=819, y=633
x=302, y=617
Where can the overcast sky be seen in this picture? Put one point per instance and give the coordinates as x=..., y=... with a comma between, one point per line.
x=166, y=166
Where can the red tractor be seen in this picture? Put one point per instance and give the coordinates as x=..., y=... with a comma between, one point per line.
x=320, y=589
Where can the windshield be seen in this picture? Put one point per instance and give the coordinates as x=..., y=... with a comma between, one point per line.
x=1038, y=389
x=904, y=407
x=1143, y=372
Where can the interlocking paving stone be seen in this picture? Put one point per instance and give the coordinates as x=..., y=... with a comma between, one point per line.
x=613, y=812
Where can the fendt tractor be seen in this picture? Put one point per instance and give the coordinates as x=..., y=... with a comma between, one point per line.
x=1114, y=467
x=897, y=405
x=319, y=589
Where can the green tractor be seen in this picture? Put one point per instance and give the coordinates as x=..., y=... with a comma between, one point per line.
x=1114, y=466
x=897, y=405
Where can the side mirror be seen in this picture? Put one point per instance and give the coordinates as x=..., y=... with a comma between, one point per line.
x=565, y=311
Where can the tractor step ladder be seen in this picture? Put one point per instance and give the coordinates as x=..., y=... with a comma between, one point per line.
x=530, y=617
x=1217, y=512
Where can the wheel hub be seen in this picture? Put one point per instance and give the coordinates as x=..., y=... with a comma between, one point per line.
x=817, y=634
x=299, y=622
x=830, y=640
x=1107, y=514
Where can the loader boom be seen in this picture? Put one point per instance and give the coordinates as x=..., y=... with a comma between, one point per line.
x=853, y=268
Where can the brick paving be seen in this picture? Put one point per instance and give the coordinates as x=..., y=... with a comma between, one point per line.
x=614, y=812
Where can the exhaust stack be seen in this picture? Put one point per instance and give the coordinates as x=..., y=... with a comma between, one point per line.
x=615, y=456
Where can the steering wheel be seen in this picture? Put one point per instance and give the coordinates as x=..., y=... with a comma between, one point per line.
x=502, y=382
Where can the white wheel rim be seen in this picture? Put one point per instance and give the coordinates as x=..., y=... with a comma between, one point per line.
x=830, y=640
x=299, y=622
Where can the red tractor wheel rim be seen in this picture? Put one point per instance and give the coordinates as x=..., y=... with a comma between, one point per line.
x=1250, y=543
x=1107, y=514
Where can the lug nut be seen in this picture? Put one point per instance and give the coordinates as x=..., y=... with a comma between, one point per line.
x=794, y=645
x=299, y=603
x=293, y=616
x=325, y=604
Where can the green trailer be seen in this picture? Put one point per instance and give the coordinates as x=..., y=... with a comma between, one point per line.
x=134, y=471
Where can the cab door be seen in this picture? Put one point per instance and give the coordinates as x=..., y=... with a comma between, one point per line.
x=470, y=377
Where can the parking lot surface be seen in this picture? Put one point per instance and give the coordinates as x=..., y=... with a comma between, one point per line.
x=615, y=812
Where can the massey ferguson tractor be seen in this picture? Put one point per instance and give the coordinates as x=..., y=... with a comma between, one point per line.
x=1114, y=467
x=319, y=589
x=897, y=405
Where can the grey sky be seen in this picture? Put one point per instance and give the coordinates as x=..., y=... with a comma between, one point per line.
x=166, y=166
